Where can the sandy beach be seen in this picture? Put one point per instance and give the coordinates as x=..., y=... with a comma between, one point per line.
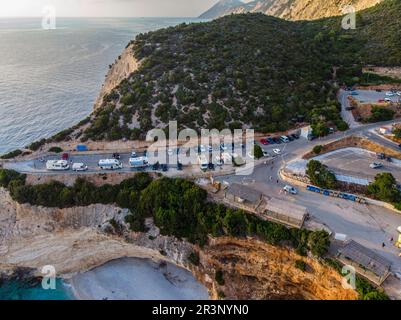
x=138, y=279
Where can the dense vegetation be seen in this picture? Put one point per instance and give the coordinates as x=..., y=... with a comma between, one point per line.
x=363, y=287
x=178, y=206
x=384, y=188
x=11, y=154
x=247, y=69
x=320, y=176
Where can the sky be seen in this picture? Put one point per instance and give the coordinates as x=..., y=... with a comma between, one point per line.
x=106, y=8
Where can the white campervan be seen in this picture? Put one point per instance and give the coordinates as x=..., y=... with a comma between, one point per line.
x=110, y=164
x=57, y=165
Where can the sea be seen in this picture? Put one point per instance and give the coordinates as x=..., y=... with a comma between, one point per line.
x=50, y=79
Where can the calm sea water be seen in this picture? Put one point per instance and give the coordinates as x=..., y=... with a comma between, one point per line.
x=49, y=79
x=18, y=290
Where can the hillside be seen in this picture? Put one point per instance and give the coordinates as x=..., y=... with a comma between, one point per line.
x=220, y=8
x=292, y=9
x=243, y=71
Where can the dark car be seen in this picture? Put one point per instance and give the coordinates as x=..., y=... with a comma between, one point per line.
x=264, y=142
x=270, y=140
x=164, y=167
x=399, y=146
x=156, y=166
x=277, y=140
x=211, y=166
x=295, y=136
x=65, y=156
x=290, y=138
x=381, y=156
x=116, y=156
x=179, y=166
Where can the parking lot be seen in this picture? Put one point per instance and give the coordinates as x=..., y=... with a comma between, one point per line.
x=355, y=162
x=373, y=96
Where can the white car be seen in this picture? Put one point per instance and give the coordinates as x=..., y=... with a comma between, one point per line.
x=202, y=148
x=290, y=189
x=277, y=151
x=266, y=154
x=388, y=100
x=79, y=167
x=390, y=94
x=170, y=152
x=133, y=154
x=398, y=93
x=376, y=165
x=210, y=148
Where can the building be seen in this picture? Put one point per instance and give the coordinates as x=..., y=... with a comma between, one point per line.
x=243, y=196
x=366, y=262
x=285, y=213
x=306, y=132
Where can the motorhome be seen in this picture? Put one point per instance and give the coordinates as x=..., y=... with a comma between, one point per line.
x=110, y=164
x=57, y=165
x=139, y=162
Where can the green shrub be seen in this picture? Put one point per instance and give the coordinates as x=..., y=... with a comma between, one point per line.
x=384, y=188
x=317, y=149
x=56, y=149
x=320, y=176
x=301, y=265
x=219, y=277
x=194, y=258
x=11, y=154
x=257, y=151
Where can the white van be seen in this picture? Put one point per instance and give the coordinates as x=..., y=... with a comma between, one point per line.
x=139, y=162
x=110, y=164
x=79, y=167
x=290, y=189
x=57, y=165
x=204, y=164
x=284, y=139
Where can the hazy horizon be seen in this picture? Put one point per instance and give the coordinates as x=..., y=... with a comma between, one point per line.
x=106, y=8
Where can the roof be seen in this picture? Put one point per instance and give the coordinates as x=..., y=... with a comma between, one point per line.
x=286, y=208
x=366, y=258
x=244, y=192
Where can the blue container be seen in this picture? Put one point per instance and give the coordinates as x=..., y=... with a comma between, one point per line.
x=82, y=147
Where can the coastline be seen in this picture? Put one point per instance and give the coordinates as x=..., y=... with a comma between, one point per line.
x=137, y=279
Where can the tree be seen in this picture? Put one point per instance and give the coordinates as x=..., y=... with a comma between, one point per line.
x=384, y=188
x=257, y=151
x=320, y=176
x=397, y=133
x=319, y=242
x=317, y=149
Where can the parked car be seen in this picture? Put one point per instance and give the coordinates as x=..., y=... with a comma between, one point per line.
x=354, y=93
x=156, y=166
x=290, y=189
x=390, y=94
x=210, y=148
x=376, y=165
x=380, y=156
x=65, y=156
x=284, y=139
x=170, y=152
x=133, y=154
x=223, y=147
x=211, y=166
x=179, y=166
x=295, y=136
x=388, y=100
x=290, y=138
x=270, y=140
x=277, y=151
x=116, y=156
x=202, y=148
x=164, y=167
x=79, y=167
x=266, y=154
x=264, y=142
x=277, y=140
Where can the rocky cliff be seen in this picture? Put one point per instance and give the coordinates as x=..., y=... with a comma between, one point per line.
x=120, y=70
x=297, y=9
x=78, y=239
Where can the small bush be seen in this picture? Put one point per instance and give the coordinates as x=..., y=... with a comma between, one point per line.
x=11, y=154
x=219, y=277
x=194, y=258
x=55, y=149
x=317, y=149
x=301, y=265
